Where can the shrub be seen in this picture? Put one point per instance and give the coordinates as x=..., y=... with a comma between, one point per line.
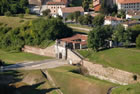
x=21, y=15
x=138, y=42
x=8, y=13
x=84, y=71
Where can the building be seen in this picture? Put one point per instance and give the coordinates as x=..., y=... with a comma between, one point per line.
x=78, y=41
x=128, y=4
x=109, y=20
x=133, y=14
x=55, y=6
x=35, y=6
x=64, y=12
x=128, y=24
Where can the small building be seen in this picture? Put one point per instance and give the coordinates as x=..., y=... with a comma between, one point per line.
x=133, y=14
x=128, y=4
x=109, y=20
x=78, y=41
x=130, y=23
x=64, y=12
x=55, y=6
x=35, y=6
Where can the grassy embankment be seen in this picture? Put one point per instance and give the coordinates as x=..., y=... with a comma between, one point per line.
x=121, y=58
x=16, y=21
x=12, y=58
x=25, y=82
x=74, y=83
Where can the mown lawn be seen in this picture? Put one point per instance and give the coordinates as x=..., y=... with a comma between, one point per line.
x=11, y=58
x=78, y=25
x=129, y=89
x=16, y=21
x=74, y=83
x=125, y=59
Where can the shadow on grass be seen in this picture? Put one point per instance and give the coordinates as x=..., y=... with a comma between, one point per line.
x=8, y=80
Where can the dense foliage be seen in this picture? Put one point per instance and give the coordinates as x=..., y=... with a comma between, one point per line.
x=36, y=32
x=100, y=36
x=13, y=6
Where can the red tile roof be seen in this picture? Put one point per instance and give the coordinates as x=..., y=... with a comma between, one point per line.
x=128, y=1
x=58, y=2
x=112, y=18
x=72, y=9
x=97, y=7
x=76, y=37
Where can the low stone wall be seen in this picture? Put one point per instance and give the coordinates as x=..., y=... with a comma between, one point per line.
x=111, y=74
x=49, y=51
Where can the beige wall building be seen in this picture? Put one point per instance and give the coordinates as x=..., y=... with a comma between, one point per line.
x=128, y=4
x=55, y=6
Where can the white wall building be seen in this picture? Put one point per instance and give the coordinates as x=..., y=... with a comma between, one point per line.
x=128, y=4
x=64, y=12
x=109, y=20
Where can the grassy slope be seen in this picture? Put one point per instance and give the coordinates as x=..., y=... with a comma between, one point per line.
x=16, y=21
x=129, y=89
x=125, y=59
x=20, y=57
x=72, y=83
x=23, y=82
x=78, y=25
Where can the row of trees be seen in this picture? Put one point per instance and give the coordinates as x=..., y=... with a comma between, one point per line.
x=13, y=6
x=35, y=33
x=99, y=37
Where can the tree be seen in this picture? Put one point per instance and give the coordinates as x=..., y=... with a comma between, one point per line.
x=96, y=38
x=71, y=16
x=85, y=5
x=120, y=35
x=46, y=12
x=135, y=31
x=81, y=19
x=138, y=41
x=76, y=15
x=98, y=20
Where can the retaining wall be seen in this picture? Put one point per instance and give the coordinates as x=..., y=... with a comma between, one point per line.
x=49, y=51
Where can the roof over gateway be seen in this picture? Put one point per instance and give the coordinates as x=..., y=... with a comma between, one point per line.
x=35, y=2
x=75, y=38
x=57, y=2
x=128, y=1
x=72, y=9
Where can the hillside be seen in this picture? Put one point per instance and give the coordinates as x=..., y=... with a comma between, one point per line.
x=121, y=58
x=70, y=82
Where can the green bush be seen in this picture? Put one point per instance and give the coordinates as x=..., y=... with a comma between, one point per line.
x=8, y=13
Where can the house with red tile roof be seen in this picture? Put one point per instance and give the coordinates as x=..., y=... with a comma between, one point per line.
x=78, y=41
x=128, y=4
x=54, y=6
x=64, y=12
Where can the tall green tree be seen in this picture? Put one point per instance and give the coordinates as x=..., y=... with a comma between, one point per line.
x=98, y=20
x=85, y=5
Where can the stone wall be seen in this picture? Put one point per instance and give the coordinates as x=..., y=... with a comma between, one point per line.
x=110, y=74
x=73, y=57
x=49, y=51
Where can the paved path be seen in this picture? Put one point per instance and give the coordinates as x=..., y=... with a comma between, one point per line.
x=51, y=63
x=79, y=28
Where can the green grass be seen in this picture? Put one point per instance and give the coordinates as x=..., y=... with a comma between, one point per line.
x=16, y=21
x=125, y=59
x=78, y=25
x=129, y=89
x=73, y=83
x=20, y=57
